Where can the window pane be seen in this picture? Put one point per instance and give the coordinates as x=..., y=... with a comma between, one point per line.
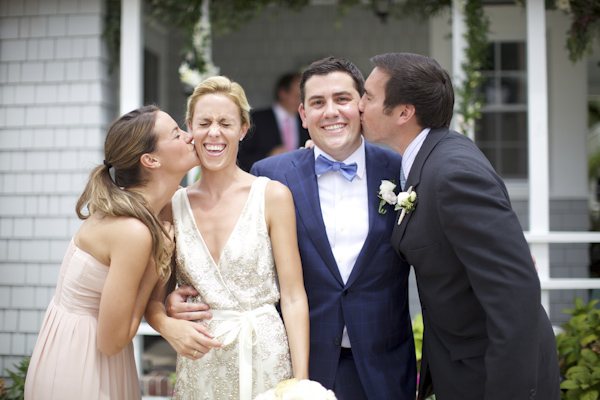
x=512, y=56
x=486, y=128
x=514, y=162
x=514, y=90
x=514, y=127
x=487, y=89
x=501, y=132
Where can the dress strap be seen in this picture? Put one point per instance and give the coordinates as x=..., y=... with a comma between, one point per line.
x=243, y=323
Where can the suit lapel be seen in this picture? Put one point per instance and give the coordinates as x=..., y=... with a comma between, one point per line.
x=302, y=182
x=414, y=178
x=378, y=169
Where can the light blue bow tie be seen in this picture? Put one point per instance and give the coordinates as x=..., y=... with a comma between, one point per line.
x=324, y=164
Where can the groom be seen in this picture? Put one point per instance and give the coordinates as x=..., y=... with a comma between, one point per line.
x=361, y=342
x=486, y=334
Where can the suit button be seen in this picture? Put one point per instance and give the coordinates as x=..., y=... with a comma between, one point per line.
x=345, y=292
x=336, y=342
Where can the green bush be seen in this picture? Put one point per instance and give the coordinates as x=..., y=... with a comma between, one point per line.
x=417, y=327
x=579, y=352
x=17, y=390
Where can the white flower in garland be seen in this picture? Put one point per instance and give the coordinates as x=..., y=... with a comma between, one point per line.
x=189, y=76
x=563, y=5
x=201, y=49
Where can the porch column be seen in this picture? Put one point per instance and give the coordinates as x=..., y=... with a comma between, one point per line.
x=537, y=104
x=130, y=96
x=131, y=66
x=459, y=45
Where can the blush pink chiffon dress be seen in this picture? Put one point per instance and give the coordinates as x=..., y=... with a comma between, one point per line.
x=66, y=363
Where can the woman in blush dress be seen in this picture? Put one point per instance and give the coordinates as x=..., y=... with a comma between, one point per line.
x=237, y=247
x=114, y=260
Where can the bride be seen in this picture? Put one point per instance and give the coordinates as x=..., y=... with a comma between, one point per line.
x=236, y=245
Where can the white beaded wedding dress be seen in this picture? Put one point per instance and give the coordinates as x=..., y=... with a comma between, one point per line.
x=241, y=292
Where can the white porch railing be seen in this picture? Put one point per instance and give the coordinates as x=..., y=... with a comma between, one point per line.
x=549, y=283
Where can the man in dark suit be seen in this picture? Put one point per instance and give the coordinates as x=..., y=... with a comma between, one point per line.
x=361, y=342
x=486, y=333
x=276, y=129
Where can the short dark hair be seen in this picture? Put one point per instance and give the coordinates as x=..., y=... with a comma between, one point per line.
x=331, y=64
x=420, y=81
x=285, y=82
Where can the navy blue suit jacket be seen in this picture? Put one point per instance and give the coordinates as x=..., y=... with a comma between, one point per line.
x=373, y=304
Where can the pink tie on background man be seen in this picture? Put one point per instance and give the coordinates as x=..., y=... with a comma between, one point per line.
x=288, y=134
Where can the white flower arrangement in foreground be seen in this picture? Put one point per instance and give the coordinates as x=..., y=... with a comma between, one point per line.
x=293, y=389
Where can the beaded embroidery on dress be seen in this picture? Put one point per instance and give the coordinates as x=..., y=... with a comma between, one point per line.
x=241, y=292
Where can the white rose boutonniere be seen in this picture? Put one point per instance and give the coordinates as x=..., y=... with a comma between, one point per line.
x=387, y=195
x=403, y=200
x=406, y=203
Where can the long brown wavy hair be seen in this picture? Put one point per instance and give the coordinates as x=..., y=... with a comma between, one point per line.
x=128, y=138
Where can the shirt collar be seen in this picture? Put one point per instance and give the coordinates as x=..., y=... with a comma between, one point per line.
x=408, y=158
x=358, y=157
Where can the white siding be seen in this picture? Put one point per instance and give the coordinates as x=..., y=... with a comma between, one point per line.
x=56, y=101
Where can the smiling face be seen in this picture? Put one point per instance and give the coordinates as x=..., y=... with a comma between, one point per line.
x=330, y=113
x=217, y=129
x=174, y=147
x=376, y=124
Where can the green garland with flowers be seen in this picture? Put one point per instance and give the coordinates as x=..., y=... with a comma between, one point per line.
x=228, y=15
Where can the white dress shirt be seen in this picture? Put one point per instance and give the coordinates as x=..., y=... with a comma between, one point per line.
x=408, y=158
x=345, y=209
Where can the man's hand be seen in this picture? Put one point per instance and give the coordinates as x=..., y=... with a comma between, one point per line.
x=178, y=308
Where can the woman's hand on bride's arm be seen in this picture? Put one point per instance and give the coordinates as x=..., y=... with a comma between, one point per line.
x=178, y=308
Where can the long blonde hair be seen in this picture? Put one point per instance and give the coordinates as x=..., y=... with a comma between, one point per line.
x=128, y=138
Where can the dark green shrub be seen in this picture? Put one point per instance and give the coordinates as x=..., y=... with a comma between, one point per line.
x=579, y=352
x=17, y=390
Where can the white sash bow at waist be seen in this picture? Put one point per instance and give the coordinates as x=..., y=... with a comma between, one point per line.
x=243, y=323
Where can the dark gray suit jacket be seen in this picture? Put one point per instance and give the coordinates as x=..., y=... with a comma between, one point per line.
x=486, y=334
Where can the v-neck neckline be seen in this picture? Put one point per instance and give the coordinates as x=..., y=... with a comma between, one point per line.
x=191, y=211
